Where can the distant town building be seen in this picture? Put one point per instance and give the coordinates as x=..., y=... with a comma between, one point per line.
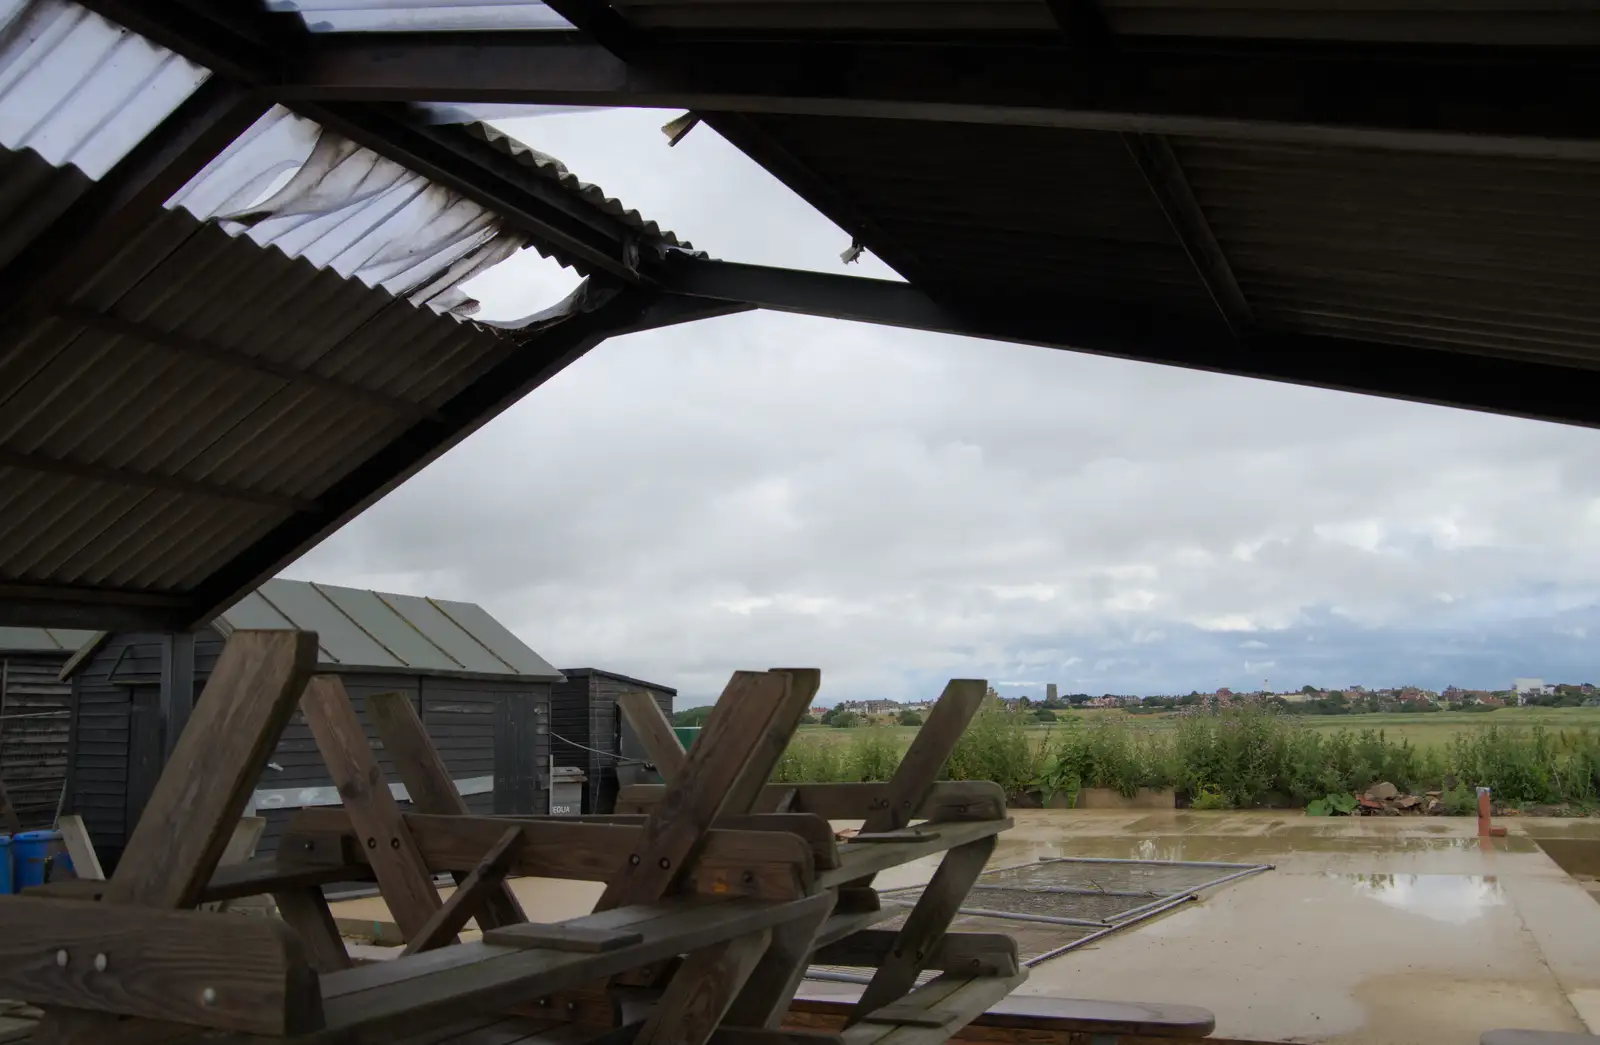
x=1050, y=691
x=1525, y=688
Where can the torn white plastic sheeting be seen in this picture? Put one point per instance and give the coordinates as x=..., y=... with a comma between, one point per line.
x=81, y=91
x=289, y=183
x=420, y=16
x=308, y=797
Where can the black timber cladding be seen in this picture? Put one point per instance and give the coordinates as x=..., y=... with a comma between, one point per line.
x=35, y=719
x=464, y=672
x=583, y=711
x=118, y=736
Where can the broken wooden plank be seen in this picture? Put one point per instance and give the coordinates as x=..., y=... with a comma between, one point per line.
x=702, y=989
x=402, y=874
x=925, y=926
x=970, y=954
x=733, y=740
x=946, y=800
x=770, y=865
x=470, y=895
x=655, y=733
x=85, y=861
x=244, y=975
x=430, y=786
x=305, y=910
x=561, y=936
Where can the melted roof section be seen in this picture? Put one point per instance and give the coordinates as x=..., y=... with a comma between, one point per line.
x=198, y=386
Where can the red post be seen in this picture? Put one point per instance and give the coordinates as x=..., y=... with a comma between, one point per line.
x=1484, y=830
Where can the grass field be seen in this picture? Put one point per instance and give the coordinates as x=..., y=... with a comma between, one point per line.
x=1421, y=730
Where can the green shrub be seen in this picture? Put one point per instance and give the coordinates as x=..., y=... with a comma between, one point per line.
x=996, y=746
x=873, y=754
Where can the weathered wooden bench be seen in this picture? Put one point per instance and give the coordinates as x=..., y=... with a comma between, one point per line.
x=716, y=895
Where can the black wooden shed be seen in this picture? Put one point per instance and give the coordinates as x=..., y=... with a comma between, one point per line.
x=35, y=709
x=590, y=733
x=481, y=692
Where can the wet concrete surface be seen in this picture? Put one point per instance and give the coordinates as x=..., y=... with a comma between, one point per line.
x=1370, y=930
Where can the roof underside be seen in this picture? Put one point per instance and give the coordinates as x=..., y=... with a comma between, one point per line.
x=229, y=327
x=1398, y=198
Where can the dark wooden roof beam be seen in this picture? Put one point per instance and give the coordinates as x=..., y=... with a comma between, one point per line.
x=26, y=603
x=1159, y=166
x=1486, y=100
x=1082, y=23
x=194, y=348
x=36, y=462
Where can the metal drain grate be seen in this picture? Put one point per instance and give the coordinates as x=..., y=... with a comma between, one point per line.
x=1059, y=903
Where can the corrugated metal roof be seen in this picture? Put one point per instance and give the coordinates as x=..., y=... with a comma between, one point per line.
x=1561, y=22
x=1013, y=212
x=79, y=90
x=139, y=399
x=553, y=170
x=379, y=631
x=1480, y=253
x=344, y=207
x=42, y=640
x=214, y=379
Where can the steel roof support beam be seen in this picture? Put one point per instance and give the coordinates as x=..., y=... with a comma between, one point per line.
x=1568, y=395
x=1482, y=100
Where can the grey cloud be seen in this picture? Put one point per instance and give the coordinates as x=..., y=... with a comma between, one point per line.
x=899, y=508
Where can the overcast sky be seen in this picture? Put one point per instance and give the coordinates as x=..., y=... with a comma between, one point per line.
x=899, y=508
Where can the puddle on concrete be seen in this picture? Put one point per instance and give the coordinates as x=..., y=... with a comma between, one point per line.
x=1454, y=899
x=1252, y=848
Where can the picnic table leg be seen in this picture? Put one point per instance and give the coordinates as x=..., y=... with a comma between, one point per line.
x=431, y=789
x=923, y=761
x=925, y=926
x=198, y=798
x=402, y=875
x=700, y=993
x=765, y=999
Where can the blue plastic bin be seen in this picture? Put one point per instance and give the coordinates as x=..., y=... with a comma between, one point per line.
x=30, y=852
x=5, y=865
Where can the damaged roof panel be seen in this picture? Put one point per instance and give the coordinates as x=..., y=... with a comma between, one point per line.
x=243, y=366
